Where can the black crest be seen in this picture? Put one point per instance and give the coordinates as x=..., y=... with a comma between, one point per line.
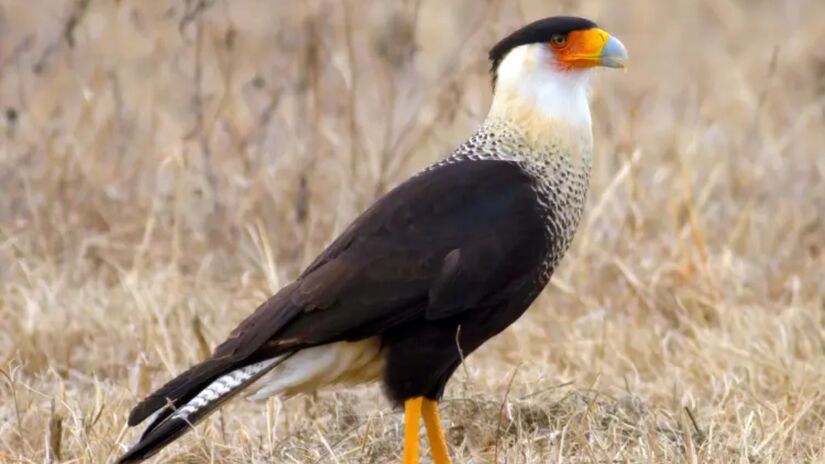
x=536, y=32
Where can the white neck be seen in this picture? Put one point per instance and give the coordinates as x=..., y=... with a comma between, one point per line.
x=531, y=89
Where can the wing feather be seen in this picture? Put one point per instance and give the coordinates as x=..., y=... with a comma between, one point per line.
x=436, y=246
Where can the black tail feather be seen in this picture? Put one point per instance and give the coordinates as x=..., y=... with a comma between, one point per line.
x=173, y=422
x=177, y=391
x=153, y=441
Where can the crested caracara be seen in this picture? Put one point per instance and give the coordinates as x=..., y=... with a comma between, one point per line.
x=433, y=269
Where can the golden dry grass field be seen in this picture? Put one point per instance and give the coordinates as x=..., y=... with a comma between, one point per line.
x=167, y=165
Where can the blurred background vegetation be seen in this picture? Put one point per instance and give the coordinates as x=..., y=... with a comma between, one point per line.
x=166, y=165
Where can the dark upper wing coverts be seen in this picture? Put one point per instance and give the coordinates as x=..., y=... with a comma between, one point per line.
x=433, y=247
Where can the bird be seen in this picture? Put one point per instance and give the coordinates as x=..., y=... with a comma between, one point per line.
x=434, y=268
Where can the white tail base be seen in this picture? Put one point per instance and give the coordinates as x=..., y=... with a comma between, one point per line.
x=313, y=368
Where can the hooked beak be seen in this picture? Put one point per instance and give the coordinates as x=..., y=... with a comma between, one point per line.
x=613, y=54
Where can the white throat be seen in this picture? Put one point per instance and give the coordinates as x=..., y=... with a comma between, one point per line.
x=529, y=82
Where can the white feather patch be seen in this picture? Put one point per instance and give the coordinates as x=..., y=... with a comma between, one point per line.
x=528, y=77
x=222, y=387
x=313, y=368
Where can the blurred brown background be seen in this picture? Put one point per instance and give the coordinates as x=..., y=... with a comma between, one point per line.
x=166, y=165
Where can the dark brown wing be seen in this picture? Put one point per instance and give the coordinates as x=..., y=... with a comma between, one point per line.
x=433, y=247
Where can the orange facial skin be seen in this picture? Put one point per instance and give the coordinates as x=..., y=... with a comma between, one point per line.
x=581, y=49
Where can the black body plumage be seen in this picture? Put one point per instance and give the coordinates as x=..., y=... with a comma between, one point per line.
x=436, y=267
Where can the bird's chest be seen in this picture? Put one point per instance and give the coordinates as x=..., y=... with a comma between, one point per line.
x=561, y=188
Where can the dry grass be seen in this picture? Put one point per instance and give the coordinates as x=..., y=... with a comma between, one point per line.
x=167, y=165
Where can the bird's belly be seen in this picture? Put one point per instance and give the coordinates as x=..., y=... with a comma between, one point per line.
x=312, y=368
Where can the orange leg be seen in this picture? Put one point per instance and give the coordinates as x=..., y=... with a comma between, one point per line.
x=412, y=416
x=438, y=446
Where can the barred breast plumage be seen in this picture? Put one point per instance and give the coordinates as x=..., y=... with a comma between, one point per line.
x=560, y=165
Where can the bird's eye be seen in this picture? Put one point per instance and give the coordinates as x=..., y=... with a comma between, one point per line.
x=558, y=40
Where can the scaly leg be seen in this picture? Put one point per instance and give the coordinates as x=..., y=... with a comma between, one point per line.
x=438, y=446
x=412, y=415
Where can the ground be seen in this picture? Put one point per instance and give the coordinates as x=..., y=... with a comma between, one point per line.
x=165, y=166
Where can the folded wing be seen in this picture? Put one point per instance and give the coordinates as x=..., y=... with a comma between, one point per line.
x=434, y=247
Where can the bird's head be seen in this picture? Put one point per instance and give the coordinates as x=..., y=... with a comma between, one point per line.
x=540, y=72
